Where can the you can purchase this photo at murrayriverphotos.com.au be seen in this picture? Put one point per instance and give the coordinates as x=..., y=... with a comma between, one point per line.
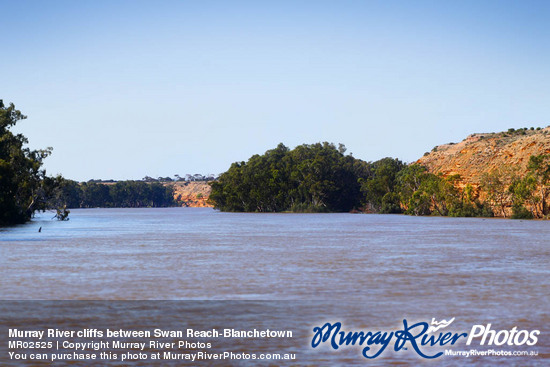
x=275, y=183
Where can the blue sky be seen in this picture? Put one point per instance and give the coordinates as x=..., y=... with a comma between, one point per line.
x=124, y=89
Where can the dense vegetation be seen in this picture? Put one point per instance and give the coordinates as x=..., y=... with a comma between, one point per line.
x=527, y=195
x=319, y=177
x=424, y=193
x=309, y=178
x=24, y=186
x=126, y=194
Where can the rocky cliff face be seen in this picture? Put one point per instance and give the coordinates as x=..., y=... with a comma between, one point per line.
x=192, y=194
x=483, y=153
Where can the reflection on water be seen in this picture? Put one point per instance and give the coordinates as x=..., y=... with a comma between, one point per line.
x=379, y=269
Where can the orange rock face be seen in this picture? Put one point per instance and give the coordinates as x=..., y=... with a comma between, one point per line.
x=482, y=153
x=192, y=194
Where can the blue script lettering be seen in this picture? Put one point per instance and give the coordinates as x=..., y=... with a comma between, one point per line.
x=409, y=334
x=332, y=331
x=405, y=335
x=441, y=339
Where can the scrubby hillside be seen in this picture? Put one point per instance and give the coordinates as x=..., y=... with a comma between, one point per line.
x=479, y=154
x=510, y=170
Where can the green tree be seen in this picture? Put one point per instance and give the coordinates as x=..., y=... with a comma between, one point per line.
x=410, y=184
x=495, y=185
x=539, y=168
x=466, y=203
x=523, y=192
x=423, y=193
x=61, y=194
x=95, y=195
x=70, y=193
x=380, y=187
x=312, y=178
x=21, y=174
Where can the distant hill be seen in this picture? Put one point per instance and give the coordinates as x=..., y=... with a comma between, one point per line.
x=484, y=152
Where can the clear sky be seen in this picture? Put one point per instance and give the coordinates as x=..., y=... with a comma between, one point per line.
x=124, y=89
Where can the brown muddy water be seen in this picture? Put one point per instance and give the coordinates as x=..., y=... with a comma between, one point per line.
x=291, y=270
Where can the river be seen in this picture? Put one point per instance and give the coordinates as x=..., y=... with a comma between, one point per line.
x=369, y=270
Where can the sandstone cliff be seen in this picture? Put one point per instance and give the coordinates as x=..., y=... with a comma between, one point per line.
x=192, y=194
x=482, y=153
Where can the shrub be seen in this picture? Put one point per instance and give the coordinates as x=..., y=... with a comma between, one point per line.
x=390, y=203
x=521, y=212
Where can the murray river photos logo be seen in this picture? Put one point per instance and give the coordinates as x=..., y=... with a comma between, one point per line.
x=423, y=338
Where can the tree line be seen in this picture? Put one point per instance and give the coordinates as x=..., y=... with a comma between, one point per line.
x=197, y=177
x=121, y=194
x=321, y=178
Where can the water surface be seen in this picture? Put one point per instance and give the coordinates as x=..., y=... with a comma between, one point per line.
x=376, y=269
